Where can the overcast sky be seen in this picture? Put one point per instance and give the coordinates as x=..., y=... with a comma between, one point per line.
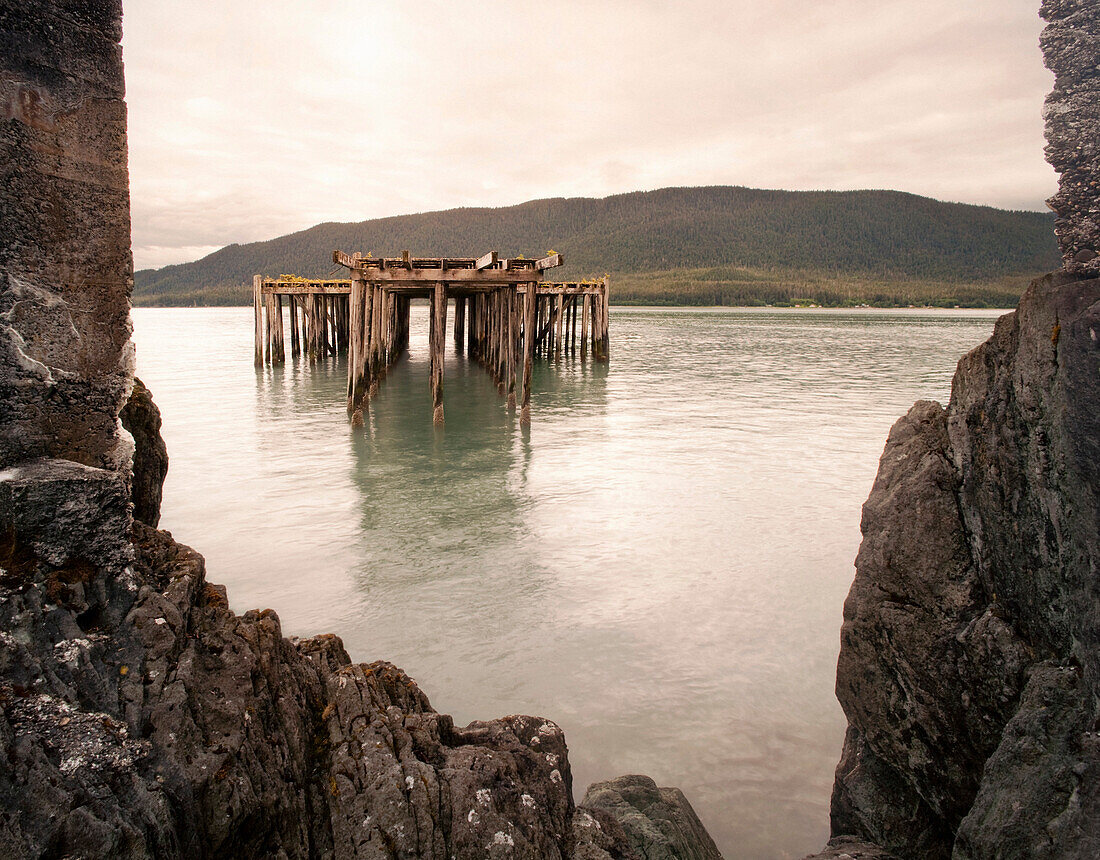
x=250, y=120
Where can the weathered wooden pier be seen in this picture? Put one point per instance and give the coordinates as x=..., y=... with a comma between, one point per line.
x=505, y=316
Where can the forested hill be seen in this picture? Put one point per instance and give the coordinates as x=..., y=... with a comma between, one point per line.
x=713, y=243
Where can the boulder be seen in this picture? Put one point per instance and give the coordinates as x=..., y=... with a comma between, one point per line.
x=659, y=823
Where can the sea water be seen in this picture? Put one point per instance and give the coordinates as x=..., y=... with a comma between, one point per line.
x=658, y=563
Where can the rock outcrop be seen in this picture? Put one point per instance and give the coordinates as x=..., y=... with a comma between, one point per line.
x=970, y=652
x=1071, y=44
x=141, y=418
x=65, y=266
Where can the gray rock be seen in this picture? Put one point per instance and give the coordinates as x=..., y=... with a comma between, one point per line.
x=970, y=650
x=1045, y=772
x=1071, y=44
x=659, y=823
x=849, y=849
x=141, y=418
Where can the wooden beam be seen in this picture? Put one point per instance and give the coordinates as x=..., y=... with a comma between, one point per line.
x=488, y=278
x=342, y=259
x=305, y=288
x=549, y=262
x=486, y=261
x=551, y=289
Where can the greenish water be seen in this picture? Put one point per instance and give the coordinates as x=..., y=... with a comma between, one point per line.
x=658, y=563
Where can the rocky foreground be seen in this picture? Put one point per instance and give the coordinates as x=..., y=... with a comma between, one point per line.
x=140, y=717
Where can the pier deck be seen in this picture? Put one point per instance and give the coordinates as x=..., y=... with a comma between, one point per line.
x=505, y=316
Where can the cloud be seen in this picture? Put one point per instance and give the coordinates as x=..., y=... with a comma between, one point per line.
x=251, y=120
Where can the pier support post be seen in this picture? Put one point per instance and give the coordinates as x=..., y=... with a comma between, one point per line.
x=500, y=330
x=375, y=339
x=573, y=326
x=435, y=342
x=292, y=309
x=471, y=326
x=586, y=313
x=355, y=301
x=460, y=321
x=559, y=319
x=269, y=327
x=257, y=292
x=530, y=334
x=387, y=330
x=279, y=356
x=605, y=321
x=511, y=304
x=357, y=353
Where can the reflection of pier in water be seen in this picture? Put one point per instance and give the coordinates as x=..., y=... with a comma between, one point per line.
x=504, y=315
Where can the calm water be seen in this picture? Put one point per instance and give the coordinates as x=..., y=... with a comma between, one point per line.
x=658, y=564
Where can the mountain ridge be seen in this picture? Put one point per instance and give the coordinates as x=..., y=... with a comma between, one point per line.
x=754, y=243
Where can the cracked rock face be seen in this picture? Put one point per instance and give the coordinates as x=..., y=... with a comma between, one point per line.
x=970, y=651
x=1071, y=45
x=65, y=265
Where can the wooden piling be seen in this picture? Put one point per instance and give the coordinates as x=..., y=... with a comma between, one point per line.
x=269, y=328
x=606, y=323
x=357, y=353
x=292, y=313
x=511, y=305
x=460, y=321
x=559, y=319
x=257, y=309
x=530, y=335
x=586, y=312
x=573, y=326
x=435, y=345
x=499, y=331
x=375, y=339
x=279, y=356
x=471, y=325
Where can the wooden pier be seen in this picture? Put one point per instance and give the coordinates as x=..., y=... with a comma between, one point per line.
x=505, y=316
